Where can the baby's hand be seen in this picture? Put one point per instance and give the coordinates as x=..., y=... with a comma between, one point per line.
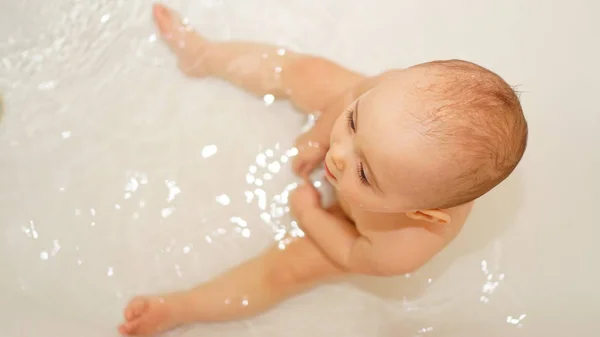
x=303, y=198
x=310, y=154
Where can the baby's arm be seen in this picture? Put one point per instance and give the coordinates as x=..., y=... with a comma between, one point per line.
x=333, y=234
x=388, y=253
x=385, y=253
x=336, y=236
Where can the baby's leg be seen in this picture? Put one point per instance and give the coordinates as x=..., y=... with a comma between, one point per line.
x=244, y=291
x=309, y=82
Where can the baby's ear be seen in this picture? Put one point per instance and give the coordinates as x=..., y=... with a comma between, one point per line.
x=432, y=215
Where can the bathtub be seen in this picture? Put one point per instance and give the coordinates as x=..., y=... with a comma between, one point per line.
x=120, y=176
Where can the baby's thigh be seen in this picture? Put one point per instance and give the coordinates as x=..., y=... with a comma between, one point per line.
x=312, y=82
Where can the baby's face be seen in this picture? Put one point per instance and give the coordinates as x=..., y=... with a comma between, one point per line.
x=377, y=158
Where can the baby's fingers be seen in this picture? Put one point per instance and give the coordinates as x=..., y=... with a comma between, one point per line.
x=297, y=164
x=305, y=163
x=302, y=168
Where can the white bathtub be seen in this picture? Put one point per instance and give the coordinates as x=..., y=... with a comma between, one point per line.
x=119, y=176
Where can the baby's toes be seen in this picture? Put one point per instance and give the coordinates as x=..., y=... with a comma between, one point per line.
x=163, y=18
x=169, y=23
x=136, y=308
x=129, y=328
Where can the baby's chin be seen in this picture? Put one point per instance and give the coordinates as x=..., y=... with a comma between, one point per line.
x=331, y=182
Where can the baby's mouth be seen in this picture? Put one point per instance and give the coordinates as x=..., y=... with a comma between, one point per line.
x=328, y=173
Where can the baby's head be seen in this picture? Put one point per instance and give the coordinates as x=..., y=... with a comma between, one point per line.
x=428, y=138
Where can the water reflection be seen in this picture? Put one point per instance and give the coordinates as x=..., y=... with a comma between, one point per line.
x=174, y=190
x=223, y=199
x=30, y=230
x=166, y=212
x=491, y=283
x=268, y=98
x=44, y=255
x=209, y=151
x=55, y=247
x=425, y=330
x=516, y=320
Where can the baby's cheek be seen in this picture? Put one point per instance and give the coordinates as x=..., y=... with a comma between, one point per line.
x=350, y=192
x=356, y=196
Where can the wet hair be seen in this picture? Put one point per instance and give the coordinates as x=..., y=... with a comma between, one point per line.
x=479, y=126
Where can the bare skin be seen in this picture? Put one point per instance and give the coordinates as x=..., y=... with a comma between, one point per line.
x=352, y=237
x=242, y=292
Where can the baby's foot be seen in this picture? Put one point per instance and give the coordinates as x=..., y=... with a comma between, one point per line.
x=151, y=315
x=188, y=46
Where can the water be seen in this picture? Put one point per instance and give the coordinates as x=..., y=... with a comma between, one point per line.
x=119, y=176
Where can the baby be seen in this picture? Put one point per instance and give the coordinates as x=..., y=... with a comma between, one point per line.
x=407, y=152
